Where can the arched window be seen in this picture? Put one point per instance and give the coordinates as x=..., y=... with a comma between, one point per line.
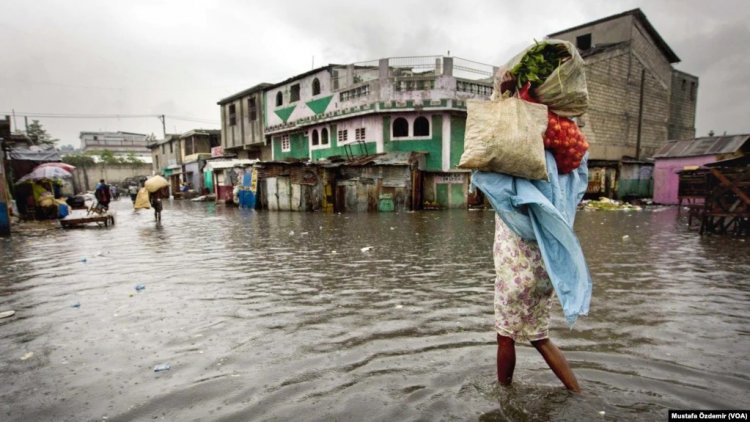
x=324, y=136
x=279, y=99
x=316, y=86
x=421, y=126
x=400, y=128
x=315, y=139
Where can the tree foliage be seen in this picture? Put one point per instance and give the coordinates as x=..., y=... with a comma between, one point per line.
x=131, y=158
x=39, y=135
x=78, y=160
x=108, y=157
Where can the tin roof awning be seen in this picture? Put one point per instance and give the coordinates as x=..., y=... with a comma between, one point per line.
x=709, y=145
x=225, y=164
x=34, y=154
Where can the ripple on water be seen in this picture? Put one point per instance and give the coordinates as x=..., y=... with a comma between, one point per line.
x=273, y=316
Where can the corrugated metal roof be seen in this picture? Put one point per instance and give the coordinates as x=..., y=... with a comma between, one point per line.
x=225, y=164
x=381, y=159
x=710, y=145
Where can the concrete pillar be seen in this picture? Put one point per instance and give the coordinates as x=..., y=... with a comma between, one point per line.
x=447, y=66
x=383, y=71
x=349, y=75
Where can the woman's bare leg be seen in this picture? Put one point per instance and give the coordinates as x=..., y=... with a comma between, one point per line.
x=506, y=359
x=557, y=362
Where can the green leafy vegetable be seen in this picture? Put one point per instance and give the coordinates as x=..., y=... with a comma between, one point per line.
x=538, y=63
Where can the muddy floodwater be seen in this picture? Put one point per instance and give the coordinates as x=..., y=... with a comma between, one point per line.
x=378, y=317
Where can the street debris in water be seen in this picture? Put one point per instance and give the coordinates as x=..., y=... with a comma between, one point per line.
x=607, y=204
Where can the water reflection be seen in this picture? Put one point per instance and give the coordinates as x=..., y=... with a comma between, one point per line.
x=356, y=316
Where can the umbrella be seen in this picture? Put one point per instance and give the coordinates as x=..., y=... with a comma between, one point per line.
x=155, y=183
x=44, y=173
x=64, y=166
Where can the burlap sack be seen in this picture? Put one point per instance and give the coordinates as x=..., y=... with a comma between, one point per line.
x=142, y=200
x=505, y=136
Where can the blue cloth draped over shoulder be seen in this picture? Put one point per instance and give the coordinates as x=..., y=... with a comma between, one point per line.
x=544, y=211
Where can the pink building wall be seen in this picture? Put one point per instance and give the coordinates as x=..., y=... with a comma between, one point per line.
x=666, y=179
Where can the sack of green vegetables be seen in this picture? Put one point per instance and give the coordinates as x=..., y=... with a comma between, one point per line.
x=553, y=73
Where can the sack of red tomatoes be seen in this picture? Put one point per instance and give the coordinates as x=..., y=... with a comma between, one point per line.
x=551, y=72
x=565, y=140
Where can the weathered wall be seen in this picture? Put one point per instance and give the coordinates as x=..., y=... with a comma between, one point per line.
x=683, y=100
x=614, y=83
x=624, y=49
x=246, y=131
x=85, y=179
x=446, y=190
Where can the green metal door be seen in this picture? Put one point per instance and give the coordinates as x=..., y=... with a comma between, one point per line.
x=458, y=197
x=441, y=194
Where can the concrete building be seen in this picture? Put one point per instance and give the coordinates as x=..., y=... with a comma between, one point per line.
x=180, y=157
x=242, y=124
x=638, y=100
x=119, y=143
x=393, y=107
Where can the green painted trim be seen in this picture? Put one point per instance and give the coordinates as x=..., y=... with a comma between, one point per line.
x=298, y=147
x=285, y=112
x=458, y=133
x=319, y=106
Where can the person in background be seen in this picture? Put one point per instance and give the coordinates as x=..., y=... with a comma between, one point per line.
x=133, y=192
x=155, y=199
x=102, y=194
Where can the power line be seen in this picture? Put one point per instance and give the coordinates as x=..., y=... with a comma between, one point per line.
x=83, y=116
x=108, y=116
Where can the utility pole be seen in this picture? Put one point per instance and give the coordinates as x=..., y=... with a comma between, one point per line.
x=640, y=116
x=163, y=125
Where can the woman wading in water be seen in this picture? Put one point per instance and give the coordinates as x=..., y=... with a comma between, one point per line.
x=523, y=298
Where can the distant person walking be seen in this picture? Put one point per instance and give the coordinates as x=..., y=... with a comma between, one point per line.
x=103, y=195
x=133, y=192
x=156, y=204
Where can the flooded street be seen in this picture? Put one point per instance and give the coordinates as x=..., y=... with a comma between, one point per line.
x=387, y=317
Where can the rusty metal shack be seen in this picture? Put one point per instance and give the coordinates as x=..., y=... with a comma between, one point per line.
x=380, y=182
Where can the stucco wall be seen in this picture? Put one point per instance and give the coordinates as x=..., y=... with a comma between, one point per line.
x=666, y=179
x=86, y=179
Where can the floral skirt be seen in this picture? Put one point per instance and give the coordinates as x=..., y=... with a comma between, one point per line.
x=523, y=292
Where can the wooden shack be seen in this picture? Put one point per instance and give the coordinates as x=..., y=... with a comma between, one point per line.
x=724, y=187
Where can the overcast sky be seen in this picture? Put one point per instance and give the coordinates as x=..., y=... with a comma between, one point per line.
x=178, y=58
